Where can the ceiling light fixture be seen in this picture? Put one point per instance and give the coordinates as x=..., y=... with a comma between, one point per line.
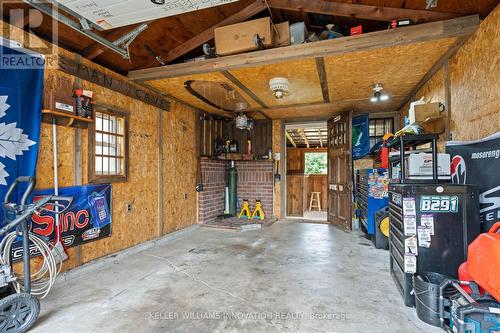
x=279, y=87
x=243, y=122
x=377, y=95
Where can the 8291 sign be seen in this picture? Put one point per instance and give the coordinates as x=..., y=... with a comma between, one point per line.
x=438, y=204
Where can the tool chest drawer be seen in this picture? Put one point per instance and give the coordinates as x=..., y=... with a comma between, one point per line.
x=371, y=196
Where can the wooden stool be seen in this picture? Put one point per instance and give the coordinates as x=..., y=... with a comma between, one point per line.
x=315, y=201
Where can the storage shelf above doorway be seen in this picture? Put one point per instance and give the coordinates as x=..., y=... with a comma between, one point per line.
x=65, y=119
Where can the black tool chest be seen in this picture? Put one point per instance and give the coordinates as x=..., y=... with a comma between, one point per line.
x=448, y=211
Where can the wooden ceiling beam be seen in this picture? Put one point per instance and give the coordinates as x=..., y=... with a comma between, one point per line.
x=459, y=27
x=377, y=13
x=323, y=80
x=243, y=15
x=291, y=139
x=304, y=136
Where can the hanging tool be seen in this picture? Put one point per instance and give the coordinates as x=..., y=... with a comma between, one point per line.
x=59, y=251
x=277, y=176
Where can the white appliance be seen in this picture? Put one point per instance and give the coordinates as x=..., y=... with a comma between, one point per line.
x=419, y=166
x=109, y=14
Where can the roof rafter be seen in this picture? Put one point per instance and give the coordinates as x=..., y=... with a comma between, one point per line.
x=304, y=136
x=378, y=13
x=291, y=139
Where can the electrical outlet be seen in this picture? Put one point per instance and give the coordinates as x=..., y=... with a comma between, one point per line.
x=129, y=208
x=185, y=195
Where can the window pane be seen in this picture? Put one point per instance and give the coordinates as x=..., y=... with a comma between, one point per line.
x=98, y=121
x=372, y=128
x=315, y=163
x=380, y=127
x=109, y=148
x=98, y=165
x=119, y=165
x=119, y=146
x=388, y=126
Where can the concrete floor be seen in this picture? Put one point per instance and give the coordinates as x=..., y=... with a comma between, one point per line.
x=291, y=277
x=314, y=215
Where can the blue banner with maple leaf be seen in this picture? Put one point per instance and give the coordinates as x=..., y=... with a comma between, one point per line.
x=21, y=91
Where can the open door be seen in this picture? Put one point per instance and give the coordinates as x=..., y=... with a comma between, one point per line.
x=340, y=171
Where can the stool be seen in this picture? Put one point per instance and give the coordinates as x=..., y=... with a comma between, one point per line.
x=315, y=201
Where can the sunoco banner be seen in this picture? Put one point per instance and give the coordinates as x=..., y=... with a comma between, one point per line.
x=87, y=219
x=478, y=163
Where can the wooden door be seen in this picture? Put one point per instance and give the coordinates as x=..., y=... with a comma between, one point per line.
x=340, y=171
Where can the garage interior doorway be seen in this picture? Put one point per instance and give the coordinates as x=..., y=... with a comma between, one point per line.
x=306, y=171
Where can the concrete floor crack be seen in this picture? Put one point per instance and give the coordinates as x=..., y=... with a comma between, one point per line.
x=194, y=278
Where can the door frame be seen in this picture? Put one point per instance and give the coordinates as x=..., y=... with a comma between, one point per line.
x=283, y=156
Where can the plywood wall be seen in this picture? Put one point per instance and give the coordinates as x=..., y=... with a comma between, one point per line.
x=475, y=89
x=179, y=168
x=473, y=84
x=143, y=188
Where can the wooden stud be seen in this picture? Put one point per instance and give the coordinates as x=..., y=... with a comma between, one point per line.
x=459, y=27
x=291, y=139
x=378, y=13
x=447, y=102
x=320, y=65
x=160, y=173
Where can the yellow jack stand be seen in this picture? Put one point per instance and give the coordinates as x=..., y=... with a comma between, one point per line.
x=245, y=210
x=258, y=213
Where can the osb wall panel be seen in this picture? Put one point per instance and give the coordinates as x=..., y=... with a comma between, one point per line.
x=302, y=75
x=475, y=90
x=142, y=188
x=432, y=91
x=179, y=168
x=277, y=138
